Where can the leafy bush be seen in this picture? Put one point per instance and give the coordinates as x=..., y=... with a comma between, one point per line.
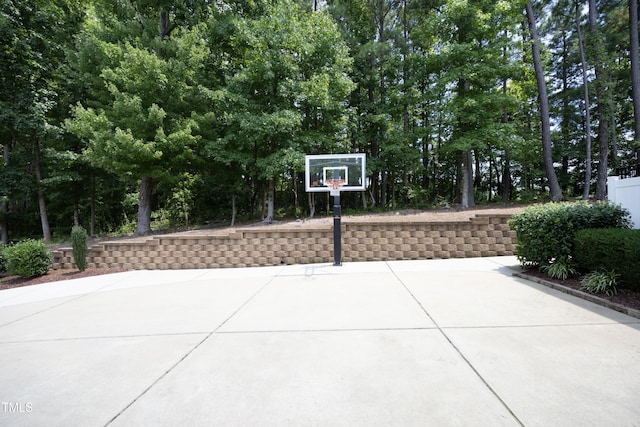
x=29, y=258
x=610, y=249
x=3, y=260
x=545, y=232
x=561, y=268
x=79, y=239
x=601, y=282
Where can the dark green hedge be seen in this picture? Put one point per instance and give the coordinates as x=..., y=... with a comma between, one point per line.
x=546, y=232
x=610, y=249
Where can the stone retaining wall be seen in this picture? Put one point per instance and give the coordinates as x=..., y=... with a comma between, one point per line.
x=482, y=235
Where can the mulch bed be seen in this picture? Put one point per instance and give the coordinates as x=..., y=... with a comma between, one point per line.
x=8, y=281
x=624, y=299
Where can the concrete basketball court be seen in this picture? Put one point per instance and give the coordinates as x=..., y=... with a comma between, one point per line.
x=455, y=342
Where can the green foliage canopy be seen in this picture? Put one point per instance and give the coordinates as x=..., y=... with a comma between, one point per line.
x=146, y=125
x=285, y=90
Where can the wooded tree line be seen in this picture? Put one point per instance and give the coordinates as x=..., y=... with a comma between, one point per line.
x=119, y=114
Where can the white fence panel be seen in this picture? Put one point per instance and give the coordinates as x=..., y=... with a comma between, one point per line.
x=626, y=193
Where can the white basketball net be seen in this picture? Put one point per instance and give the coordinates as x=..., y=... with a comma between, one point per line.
x=334, y=185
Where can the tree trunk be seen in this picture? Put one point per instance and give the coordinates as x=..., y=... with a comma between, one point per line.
x=4, y=206
x=458, y=186
x=328, y=206
x=635, y=75
x=44, y=220
x=477, y=177
x=467, y=180
x=506, y=177
x=164, y=24
x=554, y=186
x=426, y=154
x=311, y=197
x=603, y=124
x=490, y=185
x=92, y=220
x=270, y=202
x=613, y=129
x=143, y=226
x=506, y=172
x=384, y=186
x=76, y=213
x=373, y=197
x=373, y=142
x=76, y=204
x=234, y=209
x=563, y=177
x=295, y=191
x=587, y=108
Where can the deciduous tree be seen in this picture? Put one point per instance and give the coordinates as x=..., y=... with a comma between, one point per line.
x=33, y=37
x=141, y=122
x=285, y=94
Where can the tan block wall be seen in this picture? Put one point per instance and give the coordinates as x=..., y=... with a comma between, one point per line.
x=361, y=241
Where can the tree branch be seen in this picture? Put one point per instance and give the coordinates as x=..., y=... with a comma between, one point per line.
x=140, y=17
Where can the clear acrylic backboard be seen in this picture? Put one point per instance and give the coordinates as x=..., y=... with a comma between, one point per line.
x=331, y=172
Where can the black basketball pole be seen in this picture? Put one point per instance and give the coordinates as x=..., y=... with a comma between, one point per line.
x=337, y=233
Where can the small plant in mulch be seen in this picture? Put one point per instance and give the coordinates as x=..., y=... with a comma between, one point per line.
x=601, y=282
x=560, y=268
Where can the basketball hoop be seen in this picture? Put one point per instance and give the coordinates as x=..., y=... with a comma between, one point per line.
x=334, y=185
x=335, y=173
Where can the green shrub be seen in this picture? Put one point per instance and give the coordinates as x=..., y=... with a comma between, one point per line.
x=79, y=239
x=610, y=249
x=29, y=258
x=601, y=282
x=3, y=260
x=545, y=232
